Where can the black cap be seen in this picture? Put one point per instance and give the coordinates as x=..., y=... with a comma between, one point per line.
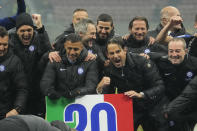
x=24, y=19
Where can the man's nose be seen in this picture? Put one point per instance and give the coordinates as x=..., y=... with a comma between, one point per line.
x=103, y=30
x=1, y=47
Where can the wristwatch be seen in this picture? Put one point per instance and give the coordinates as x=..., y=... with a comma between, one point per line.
x=142, y=93
x=18, y=109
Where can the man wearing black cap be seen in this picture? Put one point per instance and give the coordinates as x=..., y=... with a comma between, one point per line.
x=29, y=43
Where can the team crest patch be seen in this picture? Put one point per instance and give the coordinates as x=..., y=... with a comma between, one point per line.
x=80, y=70
x=2, y=68
x=31, y=48
x=149, y=65
x=147, y=51
x=189, y=74
x=90, y=51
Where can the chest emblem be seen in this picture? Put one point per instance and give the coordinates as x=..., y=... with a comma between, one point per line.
x=31, y=48
x=2, y=68
x=90, y=51
x=147, y=51
x=189, y=74
x=80, y=70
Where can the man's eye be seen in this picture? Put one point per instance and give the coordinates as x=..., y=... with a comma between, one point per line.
x=106, y=28
x=75, y=49
x=29, y=30
x=69, y=48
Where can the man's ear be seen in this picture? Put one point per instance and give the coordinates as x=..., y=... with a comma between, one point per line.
x=64, y=45
x=164, y=21
x=106, y=53
x=195, y=25
x=81, y=34
x=186, y=51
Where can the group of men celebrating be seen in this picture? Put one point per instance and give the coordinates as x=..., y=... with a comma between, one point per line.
x=156, y=68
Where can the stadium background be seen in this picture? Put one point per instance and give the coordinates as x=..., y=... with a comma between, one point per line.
x=57, y=14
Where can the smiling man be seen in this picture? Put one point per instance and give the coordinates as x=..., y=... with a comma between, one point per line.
x=133, y=75
x=73, y=76
x=13, y=89
x=29, y=43
x=178, y=70
x=138, y=41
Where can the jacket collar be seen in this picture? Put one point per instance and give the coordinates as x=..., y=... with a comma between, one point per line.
x=133, y=43
x=7, y=55
x=182, y=31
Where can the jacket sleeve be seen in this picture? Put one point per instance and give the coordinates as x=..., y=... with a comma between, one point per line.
x=185, y=100
x=101, y=58
x=91, y=81
x=44, y=42
x=20, y=81
x=151, y=73
x=10, y=22
x=157, y=51
x=48, y=78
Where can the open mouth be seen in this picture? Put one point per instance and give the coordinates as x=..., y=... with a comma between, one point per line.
x=26, y=39
x=117, y=61
x=90, y=43
x=2, y=53
x=103, y=36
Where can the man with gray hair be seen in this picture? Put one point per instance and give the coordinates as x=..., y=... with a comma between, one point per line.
x=87, y=30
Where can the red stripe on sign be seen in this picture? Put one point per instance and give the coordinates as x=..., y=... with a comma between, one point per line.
x=124, y=110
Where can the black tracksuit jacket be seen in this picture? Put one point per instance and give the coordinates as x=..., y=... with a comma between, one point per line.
x=64, y=77
x=13, y=84
x=140, y=75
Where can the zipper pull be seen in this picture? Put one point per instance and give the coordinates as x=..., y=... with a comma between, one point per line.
x=122, y=73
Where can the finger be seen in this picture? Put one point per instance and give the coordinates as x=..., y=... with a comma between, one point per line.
x=51, y=60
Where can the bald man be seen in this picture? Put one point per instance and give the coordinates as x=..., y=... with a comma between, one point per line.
x=78, y=14
x=170, y=25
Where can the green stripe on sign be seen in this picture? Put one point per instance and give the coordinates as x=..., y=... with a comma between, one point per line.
x=73, y=124
x=55, y=108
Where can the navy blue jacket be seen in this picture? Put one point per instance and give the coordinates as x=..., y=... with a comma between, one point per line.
x=10, y=22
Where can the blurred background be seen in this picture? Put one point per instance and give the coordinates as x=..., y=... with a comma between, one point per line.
x=57, y=14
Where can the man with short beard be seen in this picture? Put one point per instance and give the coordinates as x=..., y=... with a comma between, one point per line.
x=178, y=69
x=138, y=41
x=87, y=30
x=29, y=43
x=73, y=76
x=104, y=32
x=13, y=83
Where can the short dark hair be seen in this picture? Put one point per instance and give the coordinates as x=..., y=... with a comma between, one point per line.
x=105, y=18
x=139, y=18
x=79, y=9
x=116, y=40
x=73, y=37
x=3, y=32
